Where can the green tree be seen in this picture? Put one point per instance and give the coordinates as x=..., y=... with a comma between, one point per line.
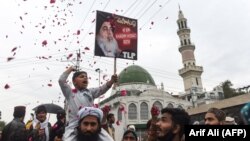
x=228, y=89
x=2, y=124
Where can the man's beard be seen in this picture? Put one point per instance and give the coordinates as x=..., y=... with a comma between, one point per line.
x=108, y=46
x=88, y=136
x=168, y=137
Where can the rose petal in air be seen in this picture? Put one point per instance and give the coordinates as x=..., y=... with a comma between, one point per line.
x=44, y=43
x=13, y=49
x=52, y=1
x=9, y=59
x=6, y=86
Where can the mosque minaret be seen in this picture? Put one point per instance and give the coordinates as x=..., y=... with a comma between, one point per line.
x=190, y=73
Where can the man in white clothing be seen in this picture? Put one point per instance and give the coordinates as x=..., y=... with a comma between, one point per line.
x=88, y=127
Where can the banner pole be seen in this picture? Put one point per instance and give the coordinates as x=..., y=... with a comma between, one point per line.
x=115, y=84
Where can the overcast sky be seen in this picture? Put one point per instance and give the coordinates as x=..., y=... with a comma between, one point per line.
x=219, y=29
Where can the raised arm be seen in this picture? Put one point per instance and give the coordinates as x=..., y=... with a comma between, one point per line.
x=104, y=88
x=66, y=89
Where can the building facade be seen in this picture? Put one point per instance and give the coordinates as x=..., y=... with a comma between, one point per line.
x=132, y=100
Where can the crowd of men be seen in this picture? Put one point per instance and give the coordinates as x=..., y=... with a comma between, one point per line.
x=88, y=123
x=168, y=126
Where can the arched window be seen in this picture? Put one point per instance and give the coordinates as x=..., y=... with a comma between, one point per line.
x=144, y=110
x=185, y=42
x=119, y=113
x=158, y=104
x=170, y=105
x=182, y=25
x=132, y=111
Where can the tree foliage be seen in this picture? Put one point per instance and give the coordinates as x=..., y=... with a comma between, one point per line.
x=2, y=124
x=229, y=91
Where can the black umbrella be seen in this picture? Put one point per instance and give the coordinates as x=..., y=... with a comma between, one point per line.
x=50, y=107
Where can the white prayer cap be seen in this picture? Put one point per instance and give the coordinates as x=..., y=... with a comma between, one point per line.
x=90, y=111
x=229, y=119
x=131, y=127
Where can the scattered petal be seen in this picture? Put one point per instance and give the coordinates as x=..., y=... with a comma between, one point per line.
x=74, y=91
x=96, y=105
x=9, y=59
x=44, y=43
x=6, y=86
x=13, y=49
x=155, y=110
x=121, y=108
x=78, y=32
x=123, y=92
x=52, y=1
x=69, y=56
x=118, y=122
x=86, y=48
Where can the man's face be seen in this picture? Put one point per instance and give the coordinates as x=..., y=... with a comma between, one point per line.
x=81, y=81
x=41, y=116
x=112, y=119
x=129, y=137
x=89, y=125
x=106, y=31
x=210, y=119
x=164, y=125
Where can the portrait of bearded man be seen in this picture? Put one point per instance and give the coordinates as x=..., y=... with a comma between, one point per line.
x=106, y=44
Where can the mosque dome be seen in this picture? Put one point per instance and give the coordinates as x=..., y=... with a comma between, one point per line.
x=135, y=74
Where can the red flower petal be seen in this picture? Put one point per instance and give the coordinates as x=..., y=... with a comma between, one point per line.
x=121, y=108
x=78, y=32
x=74, y=90
x=118, y=122
x=86, y=48
x=69, y=56
x=13, y=49
x=96, y=105
x=155, y=110
x=9, y=59
x=44, y=43
x=6, y=86
x=52, y=1
x=123, y=92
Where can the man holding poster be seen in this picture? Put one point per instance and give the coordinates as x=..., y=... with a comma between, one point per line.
x=116, y=36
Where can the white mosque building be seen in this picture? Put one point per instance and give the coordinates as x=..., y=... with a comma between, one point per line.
x=136, y=94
